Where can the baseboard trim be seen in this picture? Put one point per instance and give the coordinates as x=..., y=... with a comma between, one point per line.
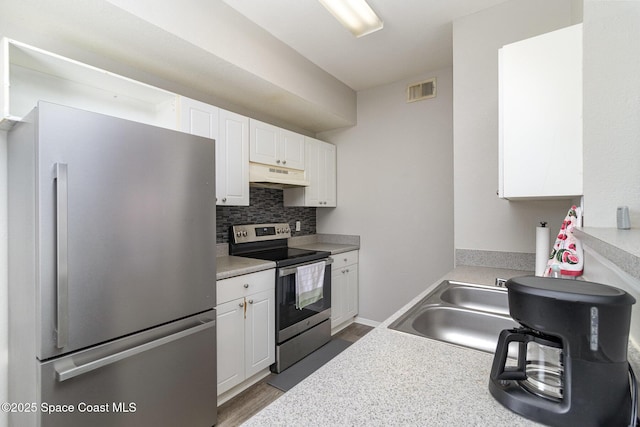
x=367, y=322
x=233, y=392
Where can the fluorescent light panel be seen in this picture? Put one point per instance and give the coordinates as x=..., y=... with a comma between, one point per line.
x=355, y=15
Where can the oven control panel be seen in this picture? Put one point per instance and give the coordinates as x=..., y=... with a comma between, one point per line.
x=260, y=232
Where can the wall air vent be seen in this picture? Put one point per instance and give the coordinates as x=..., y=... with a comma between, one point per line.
x=421, y=90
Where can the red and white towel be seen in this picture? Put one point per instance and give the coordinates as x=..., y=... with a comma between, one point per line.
x=567, y=250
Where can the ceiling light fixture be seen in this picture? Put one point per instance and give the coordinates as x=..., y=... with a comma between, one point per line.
x=355, y=15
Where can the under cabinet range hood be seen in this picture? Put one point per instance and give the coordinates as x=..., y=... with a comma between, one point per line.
x=261, y=175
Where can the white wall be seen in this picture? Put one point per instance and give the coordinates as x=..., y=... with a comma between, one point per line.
x=395, y=190
x=482, y=220
x=611, y=110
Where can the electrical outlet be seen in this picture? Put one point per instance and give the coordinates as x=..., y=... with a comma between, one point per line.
x=298, y=224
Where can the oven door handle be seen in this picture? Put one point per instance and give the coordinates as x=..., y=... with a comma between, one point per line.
x=291, y=270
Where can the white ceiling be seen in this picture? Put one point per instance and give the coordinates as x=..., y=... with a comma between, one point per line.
x=416, y=37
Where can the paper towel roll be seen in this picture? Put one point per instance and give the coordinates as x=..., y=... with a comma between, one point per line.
x=542, y=248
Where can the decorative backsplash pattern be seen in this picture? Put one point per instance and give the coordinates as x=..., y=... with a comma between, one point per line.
x=267, y=206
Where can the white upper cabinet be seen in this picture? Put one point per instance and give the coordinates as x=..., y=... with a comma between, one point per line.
x=30, y=74
x=320, y=170
x=541, y=116
x=275, y=146
x=232, y=160
x=231, y=132
x=198, y=118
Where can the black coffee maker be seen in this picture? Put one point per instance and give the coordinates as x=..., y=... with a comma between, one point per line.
x=567, y=365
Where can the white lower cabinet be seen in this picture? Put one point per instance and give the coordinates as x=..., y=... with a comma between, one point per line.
x=245, y=328
x=344, y=288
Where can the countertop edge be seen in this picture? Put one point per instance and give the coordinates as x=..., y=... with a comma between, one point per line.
x=622, y=247
x=232, y=266
x=333, y=248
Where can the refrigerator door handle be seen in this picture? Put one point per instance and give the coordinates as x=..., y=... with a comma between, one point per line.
x=62, y=281
x=71, y=370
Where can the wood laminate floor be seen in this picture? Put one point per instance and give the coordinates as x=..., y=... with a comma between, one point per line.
x=251, y=401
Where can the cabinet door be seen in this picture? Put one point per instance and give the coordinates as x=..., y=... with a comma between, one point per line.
x=263, y=142
x=198, y=118
x=230, y=344
x=291, y=150
x=337, y=297
x=351, y=291
x=327, y=174
x=312, y=171
x=232, y=161
x=260, y=338
x=541, y=116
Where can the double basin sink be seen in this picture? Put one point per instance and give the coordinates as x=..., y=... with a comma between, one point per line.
x=459, y=313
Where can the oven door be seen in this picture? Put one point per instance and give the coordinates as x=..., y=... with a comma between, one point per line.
x=291, y=321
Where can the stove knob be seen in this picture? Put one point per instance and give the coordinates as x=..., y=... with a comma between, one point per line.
x=244, y=233
x=278, y=230
x=238, y=233
x=288, y=230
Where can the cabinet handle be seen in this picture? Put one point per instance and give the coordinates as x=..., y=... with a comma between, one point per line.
x=224, y=199
x=241, y=304
x=62, y=261
x=63, y=374
x=250, y=301
x=246, y=285
x=284, y=162
x=278, y=161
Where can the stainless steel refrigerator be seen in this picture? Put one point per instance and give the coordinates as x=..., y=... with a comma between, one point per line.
x=111, y=273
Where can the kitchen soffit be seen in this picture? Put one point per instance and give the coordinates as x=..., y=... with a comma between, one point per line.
x=416, y=39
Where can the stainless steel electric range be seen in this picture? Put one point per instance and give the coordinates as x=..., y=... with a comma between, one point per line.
x=298, y=331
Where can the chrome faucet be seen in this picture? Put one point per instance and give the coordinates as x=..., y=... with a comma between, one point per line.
x=500, y=282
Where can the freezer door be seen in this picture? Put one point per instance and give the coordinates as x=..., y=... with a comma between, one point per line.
x=162, y=377
x=126, y=227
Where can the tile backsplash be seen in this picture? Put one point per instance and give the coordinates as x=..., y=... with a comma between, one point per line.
x=266, y=207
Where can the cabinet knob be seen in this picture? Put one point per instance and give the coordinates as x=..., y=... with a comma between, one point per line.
x=224, y=199
x=284, y=162
x=246, y=285
x=278, y=161
x=250, y=301
x=345, y=260
x=241, y=304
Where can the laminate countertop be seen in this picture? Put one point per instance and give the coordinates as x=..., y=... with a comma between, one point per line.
x=391, y=378
x=334, y=248
x=231, y=266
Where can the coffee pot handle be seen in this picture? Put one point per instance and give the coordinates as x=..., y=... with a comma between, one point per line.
x=501, y=372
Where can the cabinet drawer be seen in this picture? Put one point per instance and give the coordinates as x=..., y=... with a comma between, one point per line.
x=247, y=284
x=344, y=259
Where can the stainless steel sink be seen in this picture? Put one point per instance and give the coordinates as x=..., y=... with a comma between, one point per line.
x=460, y=313
x=493, y=300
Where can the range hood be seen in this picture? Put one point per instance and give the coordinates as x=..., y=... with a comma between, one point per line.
x=261, y=175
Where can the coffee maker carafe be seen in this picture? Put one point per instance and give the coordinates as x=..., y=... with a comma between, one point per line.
x=567, y=363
